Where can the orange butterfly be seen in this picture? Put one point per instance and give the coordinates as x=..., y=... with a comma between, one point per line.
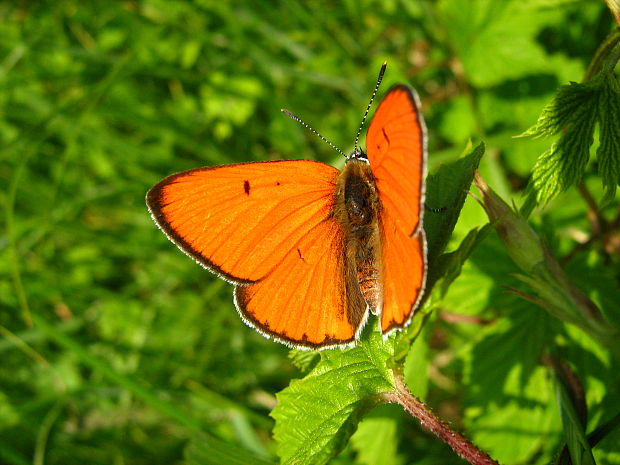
x=310, y=249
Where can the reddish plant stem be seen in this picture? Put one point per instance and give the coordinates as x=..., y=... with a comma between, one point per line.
x=603, y=51
x=442, y=430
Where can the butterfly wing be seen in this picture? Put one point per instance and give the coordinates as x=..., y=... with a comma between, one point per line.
x=404, y=272
x=396, y=146
x=312, y=299
x=269, y=228
x=240, y=220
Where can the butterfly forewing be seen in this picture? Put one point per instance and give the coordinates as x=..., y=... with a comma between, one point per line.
x=242, y=220
x=396, y=148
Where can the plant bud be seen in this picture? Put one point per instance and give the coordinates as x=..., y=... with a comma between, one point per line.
x=522, y=243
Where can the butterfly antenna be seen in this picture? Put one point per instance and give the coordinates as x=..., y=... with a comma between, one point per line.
x=379, y=79
x=307, y=126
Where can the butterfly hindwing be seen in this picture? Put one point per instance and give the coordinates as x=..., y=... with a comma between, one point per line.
x=404, y=274
x=312, y=298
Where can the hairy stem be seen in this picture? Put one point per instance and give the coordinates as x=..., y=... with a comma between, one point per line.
x=435, y=425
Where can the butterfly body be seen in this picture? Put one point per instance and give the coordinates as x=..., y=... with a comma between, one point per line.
x=312, y=250
x=358, y=209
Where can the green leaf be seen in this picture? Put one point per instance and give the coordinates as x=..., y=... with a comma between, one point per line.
x=509, y=402
x=608, y=152
x=450, y=264
x=316, y=415
x=576, y=440
x=204, y=449
x=377, y=437
x=496, y=39
x=574, y=113
x=564, y=163
x=447, y=188
x=417, y=364
x=458, y=125
x=606, y=437
x=571, y=104
x=519, y=426
x=304, y=360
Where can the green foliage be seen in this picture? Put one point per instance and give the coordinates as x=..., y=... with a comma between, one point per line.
x=448, y=187
x=376, y=440
x=316, y=415
x=574, y=113
x=116, y=348
x=608, y=152
x=496, y=40
x=520, y=418
x=207, y=450
x=576, y=440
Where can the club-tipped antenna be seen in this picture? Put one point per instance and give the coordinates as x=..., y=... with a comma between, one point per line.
x=379, y=79
x=307, y=126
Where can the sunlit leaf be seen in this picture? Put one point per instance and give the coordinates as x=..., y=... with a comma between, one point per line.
x=316, y=415
x=574, y=113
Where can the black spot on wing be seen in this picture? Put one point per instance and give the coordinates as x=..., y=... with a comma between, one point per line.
x=246, y=187
x=385, y=135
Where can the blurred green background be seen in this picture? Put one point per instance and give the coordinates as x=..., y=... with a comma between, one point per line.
x=114, y=346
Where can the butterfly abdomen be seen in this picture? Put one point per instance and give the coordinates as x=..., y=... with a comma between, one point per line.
x=358, y=208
